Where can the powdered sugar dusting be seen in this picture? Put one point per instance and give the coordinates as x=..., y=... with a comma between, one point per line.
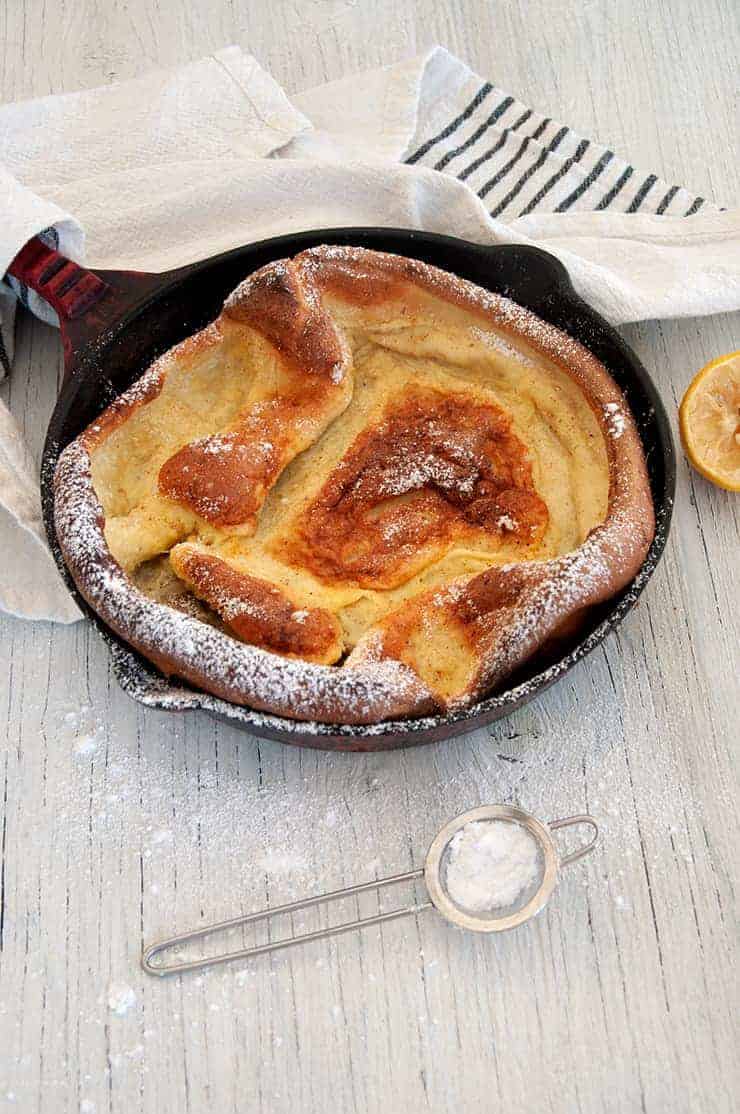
x=615, y=419
x=121, y=998
x=497, y=343
x=421, y=471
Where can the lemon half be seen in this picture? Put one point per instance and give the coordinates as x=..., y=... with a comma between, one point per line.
x=709, y=420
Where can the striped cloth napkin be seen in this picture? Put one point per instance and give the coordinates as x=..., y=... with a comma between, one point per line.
x=179, y=165
x=518, y=161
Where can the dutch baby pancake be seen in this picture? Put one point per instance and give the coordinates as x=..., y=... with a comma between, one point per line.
x=368, y=489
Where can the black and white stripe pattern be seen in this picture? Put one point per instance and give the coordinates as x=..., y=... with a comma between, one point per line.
x=519, y=162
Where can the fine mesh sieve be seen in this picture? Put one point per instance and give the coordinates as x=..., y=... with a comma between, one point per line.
x=529, y=901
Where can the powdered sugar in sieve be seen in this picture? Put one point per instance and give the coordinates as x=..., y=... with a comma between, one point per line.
x=490, y=864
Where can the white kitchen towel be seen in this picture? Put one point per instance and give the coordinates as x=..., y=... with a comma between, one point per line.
x=214, y=155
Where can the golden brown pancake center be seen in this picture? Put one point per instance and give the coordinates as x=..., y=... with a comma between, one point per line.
x=438, y=469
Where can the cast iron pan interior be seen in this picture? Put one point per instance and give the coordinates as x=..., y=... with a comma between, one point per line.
x=181, y=302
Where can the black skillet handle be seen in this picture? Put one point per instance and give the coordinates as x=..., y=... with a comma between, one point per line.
x=528, y=274
x=86, y=302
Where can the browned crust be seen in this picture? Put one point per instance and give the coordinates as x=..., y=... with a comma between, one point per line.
x=284, y=308
x=225, y=478
x=506, y=613
x=257, y=611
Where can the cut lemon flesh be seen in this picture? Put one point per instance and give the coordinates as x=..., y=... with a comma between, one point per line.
x=709, y=419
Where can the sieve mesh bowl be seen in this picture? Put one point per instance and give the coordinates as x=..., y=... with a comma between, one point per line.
x=496, y=919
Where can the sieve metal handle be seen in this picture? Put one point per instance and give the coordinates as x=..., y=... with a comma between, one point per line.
x=268, y=914
x=572, y=821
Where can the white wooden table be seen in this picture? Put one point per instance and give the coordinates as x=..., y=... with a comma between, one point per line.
x=120, y=825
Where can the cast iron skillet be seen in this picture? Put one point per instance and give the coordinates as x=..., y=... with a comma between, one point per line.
x=114, y=323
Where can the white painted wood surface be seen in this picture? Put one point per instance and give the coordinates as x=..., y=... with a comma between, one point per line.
x=621, y=997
